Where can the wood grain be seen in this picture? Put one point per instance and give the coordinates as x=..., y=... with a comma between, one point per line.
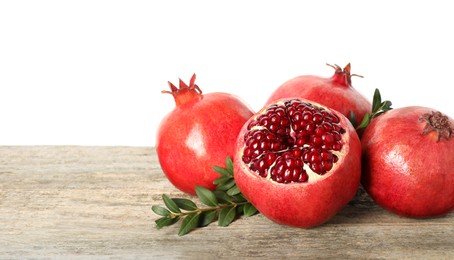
x=71, y=201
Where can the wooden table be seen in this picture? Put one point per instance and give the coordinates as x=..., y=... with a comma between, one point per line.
x=70, y=201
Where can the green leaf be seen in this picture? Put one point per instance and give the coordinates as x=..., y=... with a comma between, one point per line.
x=222, y=179
x=249, y=210
x=226, y=216
x=353, y=118
x=239, y=209
x=226, y=185
x=170, y=204
x=239, y=198
x=233, y=191
x=365, y=122
x=386, y=105
x=376, y=101
x=189, y=223
x=161, y=211
x=222, y=196
x=222, y=171
x=229, y=164
x=185, y=204
x=207, y=217
x=165, y=221
x=206, y=196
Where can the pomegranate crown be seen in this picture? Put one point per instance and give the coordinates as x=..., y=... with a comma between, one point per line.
x=343, y=75
x=437, y=122
x=184, y=92
x=182, y=85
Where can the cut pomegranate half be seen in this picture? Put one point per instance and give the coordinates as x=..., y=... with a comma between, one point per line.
x=300, y=151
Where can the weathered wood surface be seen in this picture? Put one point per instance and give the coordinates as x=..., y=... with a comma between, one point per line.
x=70, y=201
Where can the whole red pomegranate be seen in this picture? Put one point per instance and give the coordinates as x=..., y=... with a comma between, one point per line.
x=408, y=156
x=298, y=162
x=335, y=92
x=198, y=134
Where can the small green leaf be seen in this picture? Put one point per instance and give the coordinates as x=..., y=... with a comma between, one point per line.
x=365, y=122
x=353, y=118
x=207, y=217
x=226, y=185
x=376, y=101
x=222, y=179
x=161, y=211
x=170, y=204
x=226, y=216
x=239, y=210
x=239, y=198
x=185, y=204
x=206, y=196
x=249, y=210
x=229, y=164
x=233, y=191
x=386, y=105
x=222, y=171
x=189, y=223
x=165, y=221
x=222, y=196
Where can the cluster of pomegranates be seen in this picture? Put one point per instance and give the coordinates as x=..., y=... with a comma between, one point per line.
x=299, y=160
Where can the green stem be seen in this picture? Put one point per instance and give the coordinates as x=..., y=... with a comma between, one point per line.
x=200, y=210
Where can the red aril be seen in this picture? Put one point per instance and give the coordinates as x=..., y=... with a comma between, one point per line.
x=335, y=92
x=298, y=162
x=408, y=156
x=198, y=134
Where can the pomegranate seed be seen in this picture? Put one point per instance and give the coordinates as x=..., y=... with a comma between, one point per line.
x=297, y=117
x=327, y=127
x=307, y=116
x=296, y=127
x=264, y=121
x=327, y=165
x=328, y=139
x=319, y=130
x=310, y=128
x=315, y=158
x=270, y=158
x=264, y=145
x=317, y=141
x=296, y=152
x=326, y=156
x=246, y=159
x=285, y=122
x=317, y=118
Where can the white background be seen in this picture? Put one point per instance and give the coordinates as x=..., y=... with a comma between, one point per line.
x=91, y=72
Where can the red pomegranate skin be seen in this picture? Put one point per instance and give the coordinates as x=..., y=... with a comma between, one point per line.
x=335, y=92
x=309, y=204
x=198, y=134
x=404, y=171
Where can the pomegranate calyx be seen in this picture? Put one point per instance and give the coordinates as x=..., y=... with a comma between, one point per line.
x=438, y=122
x=343, y=76
x=184, y=93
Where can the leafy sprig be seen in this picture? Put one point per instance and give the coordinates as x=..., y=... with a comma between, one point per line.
x=378, y=107
x=223, y=205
